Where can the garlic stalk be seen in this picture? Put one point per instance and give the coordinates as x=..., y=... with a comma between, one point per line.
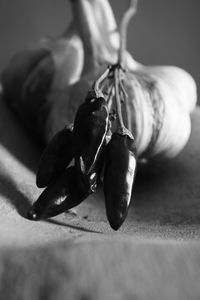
x=123, y=29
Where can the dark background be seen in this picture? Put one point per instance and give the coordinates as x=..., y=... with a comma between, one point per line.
x=162, y=32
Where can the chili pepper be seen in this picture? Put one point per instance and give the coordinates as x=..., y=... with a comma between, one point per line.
x=63, y=194
x=119, y=173
x=56, y=157
x=90, y=128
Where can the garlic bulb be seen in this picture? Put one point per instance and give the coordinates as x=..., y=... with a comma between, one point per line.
x=33, y=75
x=160, y=98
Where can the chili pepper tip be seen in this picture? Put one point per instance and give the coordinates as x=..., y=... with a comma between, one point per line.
x=31, y=215
x=116, y=221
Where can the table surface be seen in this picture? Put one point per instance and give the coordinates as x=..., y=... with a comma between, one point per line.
x=156, y=252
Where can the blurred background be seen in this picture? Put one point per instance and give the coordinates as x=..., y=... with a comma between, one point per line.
x=162, y=32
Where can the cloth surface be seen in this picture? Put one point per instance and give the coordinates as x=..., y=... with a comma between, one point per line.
x=76, y=255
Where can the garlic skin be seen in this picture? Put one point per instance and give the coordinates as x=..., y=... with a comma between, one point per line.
x=175, y=78
x=160, y=122
x=34, y=75
x=96, y=25
x=68, y=56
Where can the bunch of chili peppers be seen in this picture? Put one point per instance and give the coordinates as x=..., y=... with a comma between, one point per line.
x=96, y=150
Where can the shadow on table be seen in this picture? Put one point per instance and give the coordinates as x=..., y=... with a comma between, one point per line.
x=16, y=139
x=17, y=199
x=76, y=227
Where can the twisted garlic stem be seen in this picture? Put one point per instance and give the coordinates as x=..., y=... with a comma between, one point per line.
x=131, y=11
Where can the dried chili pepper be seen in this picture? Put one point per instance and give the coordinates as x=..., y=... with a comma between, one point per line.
x=63, y=194
x=56, y=157
x=119, y=173
x=90, y=128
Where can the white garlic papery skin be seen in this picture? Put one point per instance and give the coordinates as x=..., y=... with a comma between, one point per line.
x=67, y=55
x=160, y=115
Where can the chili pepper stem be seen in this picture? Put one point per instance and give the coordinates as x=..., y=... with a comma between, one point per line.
x=125, y=96
x=110, y=97
x=124, y=93
x=97, y=83
x=121, y=128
